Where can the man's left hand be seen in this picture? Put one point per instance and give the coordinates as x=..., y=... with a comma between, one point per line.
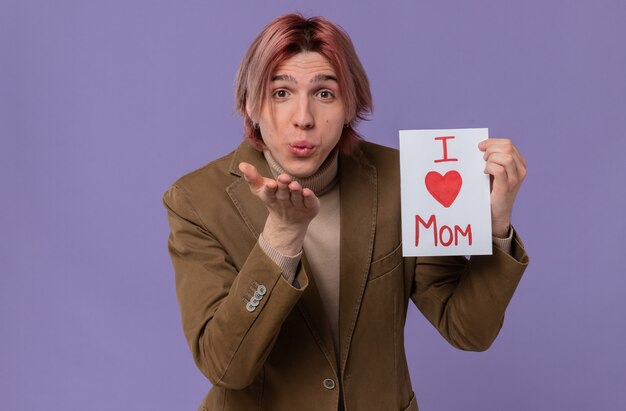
x=507, y=168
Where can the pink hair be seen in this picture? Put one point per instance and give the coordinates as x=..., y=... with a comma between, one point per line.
x=282, y=39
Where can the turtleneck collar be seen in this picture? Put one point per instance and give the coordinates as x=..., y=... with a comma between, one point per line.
x=319, y=182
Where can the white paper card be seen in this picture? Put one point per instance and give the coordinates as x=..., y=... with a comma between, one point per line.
x=445, y=193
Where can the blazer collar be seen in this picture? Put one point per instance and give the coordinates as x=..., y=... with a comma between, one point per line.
x=251, y=209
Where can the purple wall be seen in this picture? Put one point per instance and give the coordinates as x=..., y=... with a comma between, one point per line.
x=103, y=104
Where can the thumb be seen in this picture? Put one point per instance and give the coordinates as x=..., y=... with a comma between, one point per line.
x=251, y=175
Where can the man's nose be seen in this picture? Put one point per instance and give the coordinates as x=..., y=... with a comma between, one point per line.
x=303, y=117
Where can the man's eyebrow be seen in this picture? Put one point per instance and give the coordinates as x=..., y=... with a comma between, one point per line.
x=283, y=77
x=324, y=77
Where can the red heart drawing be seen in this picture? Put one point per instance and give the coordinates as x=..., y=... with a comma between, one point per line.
x=444, y=188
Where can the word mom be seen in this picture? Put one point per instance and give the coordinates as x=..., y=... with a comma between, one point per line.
x=444, y=190
x=443, y=235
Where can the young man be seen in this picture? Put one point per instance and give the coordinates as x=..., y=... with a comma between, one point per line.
x=287, y=252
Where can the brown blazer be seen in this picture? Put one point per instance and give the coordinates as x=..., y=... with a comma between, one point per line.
x=280, y=355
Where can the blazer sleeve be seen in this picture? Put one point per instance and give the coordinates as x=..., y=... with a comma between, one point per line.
x=465, y=299
x=229, y=338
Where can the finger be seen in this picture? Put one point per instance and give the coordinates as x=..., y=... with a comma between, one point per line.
x=295, y=190
x=500, y=179
x=508, y=166
x=282, y=192
x=269, y=190
x=309, y=198
x=251, y=175
x=491, y=142
x=262, y=187
x=519, y=159
x=520, y=165
x=493, y=145
x=507, y=157
x=284, y=178
x=503, y=145
x=482, y=146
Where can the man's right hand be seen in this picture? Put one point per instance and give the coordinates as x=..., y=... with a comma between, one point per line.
x=291, y=208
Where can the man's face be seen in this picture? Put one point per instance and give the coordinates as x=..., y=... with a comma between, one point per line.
x=302, y=120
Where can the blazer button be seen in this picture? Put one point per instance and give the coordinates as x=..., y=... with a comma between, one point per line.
x=250, y=307
x=261, y=289
x=329, y=384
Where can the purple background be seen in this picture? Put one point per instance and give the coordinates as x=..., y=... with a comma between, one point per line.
x=103, y=104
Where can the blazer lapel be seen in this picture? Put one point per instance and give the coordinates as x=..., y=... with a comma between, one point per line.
x=358, y=191
x=251, y=209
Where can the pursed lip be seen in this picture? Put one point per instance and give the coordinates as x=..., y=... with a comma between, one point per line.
x=301, y=148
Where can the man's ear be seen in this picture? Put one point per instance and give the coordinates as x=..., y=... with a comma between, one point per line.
x=249, y=111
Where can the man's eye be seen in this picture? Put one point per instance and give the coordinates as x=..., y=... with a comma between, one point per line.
x=326, y=94
x=280, y=93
